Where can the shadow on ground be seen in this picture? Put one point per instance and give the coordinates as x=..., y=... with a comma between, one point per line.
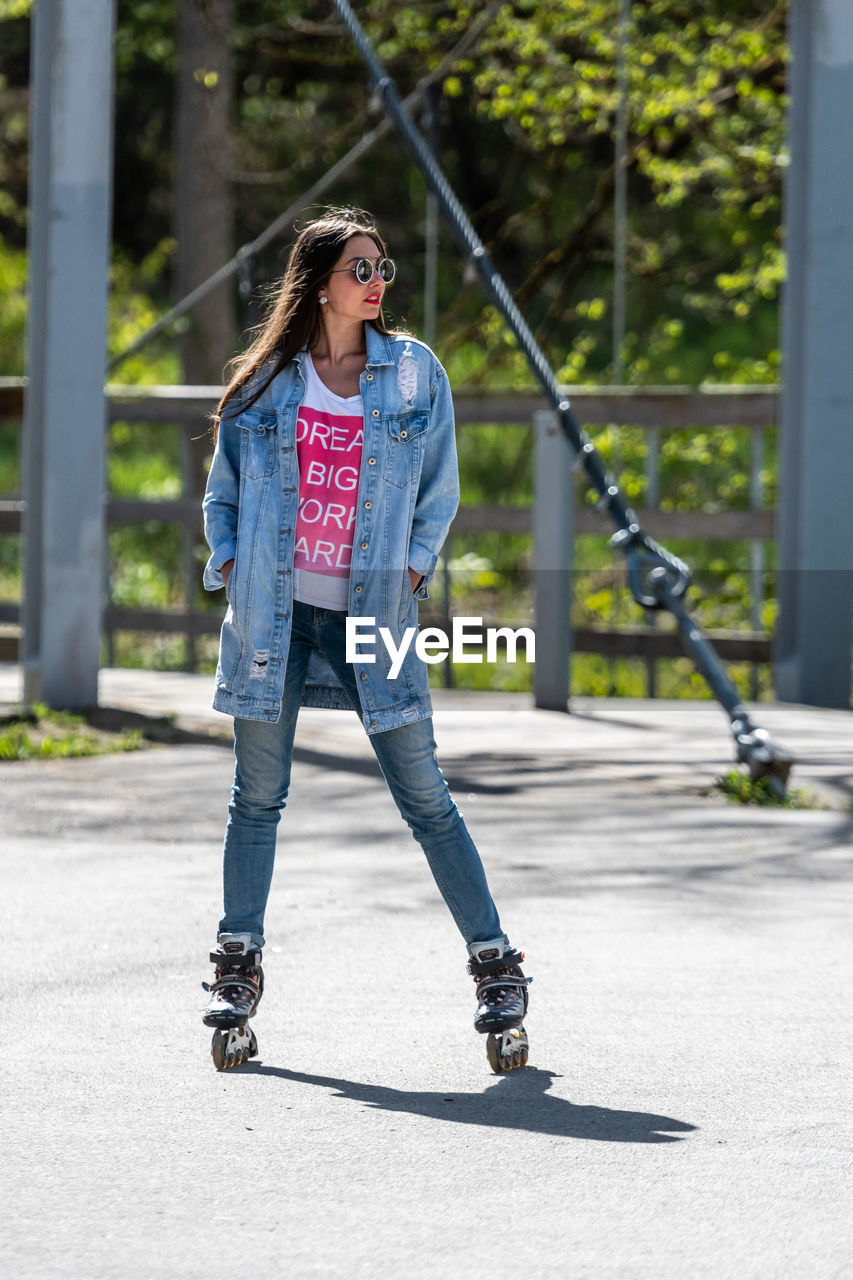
x=517, y=1100
x=164, y=730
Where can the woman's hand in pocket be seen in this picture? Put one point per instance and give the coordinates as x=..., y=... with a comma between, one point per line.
x=226, y=572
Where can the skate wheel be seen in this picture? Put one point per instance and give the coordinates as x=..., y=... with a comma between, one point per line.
x=507, y=1052
x=233, y=1047
x=493, y=1050
x=217, y=1049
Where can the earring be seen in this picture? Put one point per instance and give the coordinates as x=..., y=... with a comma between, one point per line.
x=323, y=299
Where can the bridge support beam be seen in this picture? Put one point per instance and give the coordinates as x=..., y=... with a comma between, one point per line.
x=552, y=558
x=64, y=418
x=815, y=524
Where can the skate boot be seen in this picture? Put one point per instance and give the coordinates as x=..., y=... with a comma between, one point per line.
x=502, y=997
x=235, y=994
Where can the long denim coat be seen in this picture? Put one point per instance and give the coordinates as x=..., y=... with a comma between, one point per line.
x=407, y=496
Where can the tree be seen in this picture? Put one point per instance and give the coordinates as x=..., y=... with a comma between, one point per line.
x=202, y=191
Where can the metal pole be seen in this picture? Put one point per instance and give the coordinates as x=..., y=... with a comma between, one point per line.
x=814, y=634
x=552, y=562
x=64, y=418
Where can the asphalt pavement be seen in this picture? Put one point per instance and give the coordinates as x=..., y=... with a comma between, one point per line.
x=687, y=1109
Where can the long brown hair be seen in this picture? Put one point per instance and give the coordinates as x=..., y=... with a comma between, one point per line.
x=293, y=320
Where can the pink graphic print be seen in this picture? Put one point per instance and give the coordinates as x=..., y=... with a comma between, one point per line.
x=329, y=451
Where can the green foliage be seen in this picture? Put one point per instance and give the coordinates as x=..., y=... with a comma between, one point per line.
x=143, y=560
x=741, y=789
x=49, y=735
x=499, y=677
x=14, y=9
x=143, y=460
x=10, y=471
x=706, y=148
x=14, y=116
x=134, y=307
x=13, y=309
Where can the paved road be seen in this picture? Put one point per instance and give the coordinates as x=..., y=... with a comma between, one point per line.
x=688, y=1110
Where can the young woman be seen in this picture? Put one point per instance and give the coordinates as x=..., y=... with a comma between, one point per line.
x=333, y=485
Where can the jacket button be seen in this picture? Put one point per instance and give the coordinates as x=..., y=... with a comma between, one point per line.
x=371, y=462
x=364, y=546
x=364, y=675
x=373, y=724
x=359, y=588
x=367, y=506
x=376, y=413
x=404, y=435
x=370, y=377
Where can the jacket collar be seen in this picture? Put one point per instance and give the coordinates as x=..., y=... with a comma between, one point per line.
x=378, y=348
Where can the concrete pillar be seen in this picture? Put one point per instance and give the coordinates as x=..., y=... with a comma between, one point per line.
x=552, y=559
x=64, y=418
x=814, y=635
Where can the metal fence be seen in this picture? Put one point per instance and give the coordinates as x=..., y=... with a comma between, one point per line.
x=655, y=410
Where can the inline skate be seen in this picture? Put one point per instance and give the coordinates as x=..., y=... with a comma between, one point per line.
x=502, y=1002
x=235, y=994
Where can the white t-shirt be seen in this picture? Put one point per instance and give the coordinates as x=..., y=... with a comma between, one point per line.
x=329, y=440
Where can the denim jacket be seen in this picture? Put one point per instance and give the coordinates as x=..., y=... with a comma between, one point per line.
x=407, y=496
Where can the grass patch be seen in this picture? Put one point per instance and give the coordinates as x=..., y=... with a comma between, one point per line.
x=44, y=734
x=739, y=788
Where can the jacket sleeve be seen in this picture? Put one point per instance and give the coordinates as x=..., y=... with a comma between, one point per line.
x=438, y=491
x=220, y=503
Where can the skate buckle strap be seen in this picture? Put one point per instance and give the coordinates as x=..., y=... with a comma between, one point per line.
x=479, y=968
x=502, y=980
x=247, y=961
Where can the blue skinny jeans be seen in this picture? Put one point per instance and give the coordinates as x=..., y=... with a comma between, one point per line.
x=408, y=762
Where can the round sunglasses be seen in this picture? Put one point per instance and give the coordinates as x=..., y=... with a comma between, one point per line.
x=363, y=270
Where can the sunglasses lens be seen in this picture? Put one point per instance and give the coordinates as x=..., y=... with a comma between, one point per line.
x=364, y=270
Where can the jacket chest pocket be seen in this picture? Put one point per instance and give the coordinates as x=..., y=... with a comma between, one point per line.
x=405, y=444
x=258, y=451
